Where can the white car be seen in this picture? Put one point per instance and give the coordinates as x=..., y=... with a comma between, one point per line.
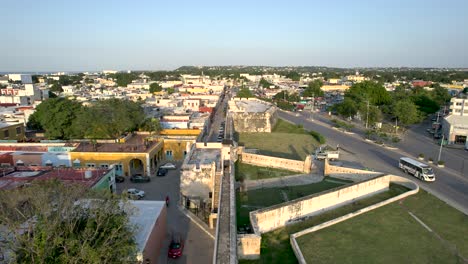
x=168, y=166
x=135, y=193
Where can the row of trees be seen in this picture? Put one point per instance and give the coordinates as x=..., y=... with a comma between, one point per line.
x=66, y=119
x=44, y=223
x=372, y=101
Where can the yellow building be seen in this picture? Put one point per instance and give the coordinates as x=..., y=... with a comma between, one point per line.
x=177, y=142
x=137, y=155
x=11, y=131
x=327, y=88
x=195, y=89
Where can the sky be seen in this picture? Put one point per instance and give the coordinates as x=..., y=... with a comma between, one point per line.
x=90, y=35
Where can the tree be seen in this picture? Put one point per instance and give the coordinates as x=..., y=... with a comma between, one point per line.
x=155, y=87
x=244, y=93
x=56, y=116
x=347, y=108
x=293, y=75
x=52, y=222
x=369, y=90
x=264, y=83
x=170, y=90
x=151, y=125
x=313, y=89
x=406, y=112
x=123, y=79
x=440, y=94
x=284, y=95
x=374, y=115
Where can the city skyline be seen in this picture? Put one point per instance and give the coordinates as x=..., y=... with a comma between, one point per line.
x=146, y=35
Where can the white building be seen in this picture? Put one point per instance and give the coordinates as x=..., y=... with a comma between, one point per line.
x=455, y=125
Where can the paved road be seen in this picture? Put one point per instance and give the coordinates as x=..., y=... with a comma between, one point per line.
x=450, y=185
x=198, y=245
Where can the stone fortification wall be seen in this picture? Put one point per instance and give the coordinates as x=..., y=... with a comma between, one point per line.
x=274, y=217
x=348, y=173
x=414, y=188
x=259, y=117
x=280, y=163
x=248, y=246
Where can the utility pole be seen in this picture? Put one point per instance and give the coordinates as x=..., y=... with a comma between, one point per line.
x=440, y=150
x=367, y=114
x=396, y=126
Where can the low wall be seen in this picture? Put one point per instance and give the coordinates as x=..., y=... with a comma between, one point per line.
x=414, y=188
x=348, y=173
x=248, y=246
x=292, y=180
x=279, y=163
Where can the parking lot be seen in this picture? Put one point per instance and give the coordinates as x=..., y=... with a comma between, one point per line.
x=198, y=245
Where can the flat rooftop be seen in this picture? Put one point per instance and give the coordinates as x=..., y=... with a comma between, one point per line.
x=204, y=156
x=250, y=106
x=135, y=144
x=144, y=215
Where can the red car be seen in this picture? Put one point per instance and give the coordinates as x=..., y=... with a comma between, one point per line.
x=175, y=248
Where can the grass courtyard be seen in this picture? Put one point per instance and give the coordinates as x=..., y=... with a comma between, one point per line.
x=276, y=248
x=261, y=198
x=391, y=235
x=252, y=172
x=286, y=141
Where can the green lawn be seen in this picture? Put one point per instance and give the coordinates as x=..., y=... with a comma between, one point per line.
x=261, y=198
x=286, y=141
x=276, y=247
x=252, y=172
x=390, y=235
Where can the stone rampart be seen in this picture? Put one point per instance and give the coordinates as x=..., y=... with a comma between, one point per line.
x=279, y=163
x=414, y=188
x=348, y=173
x=248, y=246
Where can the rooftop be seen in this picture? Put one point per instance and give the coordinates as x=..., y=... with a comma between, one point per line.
x=136, y=143
x=144, y=216
x=251, y=106
x=204, y=156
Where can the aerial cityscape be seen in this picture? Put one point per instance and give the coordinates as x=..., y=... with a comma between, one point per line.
x=244, y=132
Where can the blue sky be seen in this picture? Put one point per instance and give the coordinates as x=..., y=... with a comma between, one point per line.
x=85, y=35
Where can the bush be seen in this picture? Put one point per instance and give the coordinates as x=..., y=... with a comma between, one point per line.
x=441, y=162
x=395, y=139
x=319, y=137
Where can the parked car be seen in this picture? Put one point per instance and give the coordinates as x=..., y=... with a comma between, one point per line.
x=119, y=178
x=135, y=194
x=139, y=178
x=176, y=248
x=168, y=166
x=161, y=172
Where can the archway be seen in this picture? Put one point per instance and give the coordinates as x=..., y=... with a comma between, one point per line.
x=136, y=166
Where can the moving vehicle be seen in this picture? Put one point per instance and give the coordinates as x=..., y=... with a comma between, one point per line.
x=139, y=178
x=119, y=179
x=321, y=154
x=135, y=194
x=417, y=169
x=168, y=166
x=175, y=248
x=161, y=172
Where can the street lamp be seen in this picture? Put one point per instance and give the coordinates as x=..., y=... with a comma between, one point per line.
x=440, y=150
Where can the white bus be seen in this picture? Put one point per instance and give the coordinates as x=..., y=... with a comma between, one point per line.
x=417, y=169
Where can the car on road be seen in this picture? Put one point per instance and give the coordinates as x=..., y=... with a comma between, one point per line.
x=168, y=166
x=161, y=172
x=135, y=194
x=176, y=247
x=139, y=178
x=119, y=179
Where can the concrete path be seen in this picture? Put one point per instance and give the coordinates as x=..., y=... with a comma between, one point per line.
x=294, y=180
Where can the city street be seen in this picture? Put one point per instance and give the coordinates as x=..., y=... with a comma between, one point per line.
x=198, y=245
x=450, y=185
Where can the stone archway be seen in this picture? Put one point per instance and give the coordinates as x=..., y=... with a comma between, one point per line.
x=136, y=166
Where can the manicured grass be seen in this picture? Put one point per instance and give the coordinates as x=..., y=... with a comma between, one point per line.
x=276, y=247
x=390, y=235
x=252, y=172
x=261, y=198
x=287, y=141
x=281, y=145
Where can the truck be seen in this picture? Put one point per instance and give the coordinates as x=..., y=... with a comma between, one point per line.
x=322, y=154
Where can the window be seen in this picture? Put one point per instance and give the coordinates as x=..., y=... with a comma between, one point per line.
x=104, y=166
x=90, y=165
x=458, y=104
x=18, y=130
x=6, y=133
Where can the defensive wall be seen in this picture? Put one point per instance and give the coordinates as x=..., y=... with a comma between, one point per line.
x=252, y=115
x=273, y=162
x=277, y=216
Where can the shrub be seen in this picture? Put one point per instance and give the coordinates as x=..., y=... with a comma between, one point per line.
x=441, y=162
x=395, y=139
x=421, y=155
x=319, y=137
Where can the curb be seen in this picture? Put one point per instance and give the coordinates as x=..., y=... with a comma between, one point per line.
x=196, y=221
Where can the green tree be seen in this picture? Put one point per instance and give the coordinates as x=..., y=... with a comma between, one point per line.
x=406, y=112
x=151, y=125
x=369, y=90
x=123, y=79
x=440, y=94
x=44, y=223
x=170, y=90
x=284, y=95
x=264, y=83
x=293, y=75
x=56, y=116
x=244, y=93
x=155, y=87
x=374, y=115
x=347, y=108
x=313, y=89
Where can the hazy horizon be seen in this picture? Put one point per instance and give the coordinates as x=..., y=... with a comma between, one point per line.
x=53, y=35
